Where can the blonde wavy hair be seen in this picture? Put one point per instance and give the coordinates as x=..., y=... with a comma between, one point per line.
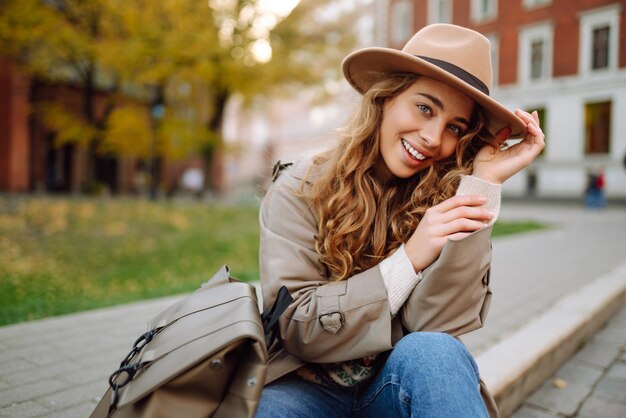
x=363, y=218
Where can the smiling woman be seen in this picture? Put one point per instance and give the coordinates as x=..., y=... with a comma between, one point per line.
x=384, y=241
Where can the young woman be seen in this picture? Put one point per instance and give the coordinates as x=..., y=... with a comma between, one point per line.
x=384, y=241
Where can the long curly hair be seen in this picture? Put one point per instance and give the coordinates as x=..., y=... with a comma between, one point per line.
x=363, y=218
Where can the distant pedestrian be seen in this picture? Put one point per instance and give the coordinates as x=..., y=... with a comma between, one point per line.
x=595, y=197
x=193, y=181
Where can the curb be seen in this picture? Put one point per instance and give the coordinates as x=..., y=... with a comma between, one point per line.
x=513, y=368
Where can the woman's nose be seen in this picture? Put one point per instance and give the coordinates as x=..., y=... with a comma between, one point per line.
x=431, y=133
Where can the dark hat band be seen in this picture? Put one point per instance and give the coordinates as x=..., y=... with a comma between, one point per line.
x=458, y=72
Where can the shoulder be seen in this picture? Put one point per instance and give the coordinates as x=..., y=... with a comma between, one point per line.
x=285, y=197
x=297, y=175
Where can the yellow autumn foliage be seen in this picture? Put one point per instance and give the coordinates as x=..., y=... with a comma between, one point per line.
x=128, y=132
x=69, y=128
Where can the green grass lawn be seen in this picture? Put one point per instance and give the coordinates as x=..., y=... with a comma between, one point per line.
x=61, y=255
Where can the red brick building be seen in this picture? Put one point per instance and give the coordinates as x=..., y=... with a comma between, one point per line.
x=30, y=160
x=565, y=58
x=14, y=143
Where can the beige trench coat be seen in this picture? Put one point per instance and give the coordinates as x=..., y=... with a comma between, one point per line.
x=338, y=321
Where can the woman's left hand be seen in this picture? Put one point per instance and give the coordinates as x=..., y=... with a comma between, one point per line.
x=497, y=165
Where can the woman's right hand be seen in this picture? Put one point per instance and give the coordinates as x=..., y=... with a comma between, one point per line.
x=453, y=219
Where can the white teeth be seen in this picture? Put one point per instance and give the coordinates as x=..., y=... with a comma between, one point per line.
x=415, y=153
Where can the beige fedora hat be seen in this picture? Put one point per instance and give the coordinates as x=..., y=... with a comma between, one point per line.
x=453, y=54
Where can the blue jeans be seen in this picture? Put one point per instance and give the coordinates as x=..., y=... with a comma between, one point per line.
x=595, y=198
x=426, y=375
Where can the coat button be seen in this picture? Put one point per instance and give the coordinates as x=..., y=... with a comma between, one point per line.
x=216, y=364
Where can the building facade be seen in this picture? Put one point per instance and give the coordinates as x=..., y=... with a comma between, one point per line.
x=564, y=58
x=32, y=161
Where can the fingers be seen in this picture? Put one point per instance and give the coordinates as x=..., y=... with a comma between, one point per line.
x=457, y=201
x=532, y=121
x=467, y=212
x=459, y=214
x=461, y=225
x=527, y=117
x=535, y=116
x=534, y=128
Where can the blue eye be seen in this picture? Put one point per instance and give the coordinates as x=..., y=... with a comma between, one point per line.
x=456, y=130
x=423, y=108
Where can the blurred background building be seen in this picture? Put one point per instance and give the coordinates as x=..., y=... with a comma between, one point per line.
x=564, y=58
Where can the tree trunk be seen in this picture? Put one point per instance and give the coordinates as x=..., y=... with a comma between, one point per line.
x=213, y=154
x=85, y=173
x=156, y=114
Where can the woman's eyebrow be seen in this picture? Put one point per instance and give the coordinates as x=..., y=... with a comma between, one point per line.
x=434, y=99
x=437, y=102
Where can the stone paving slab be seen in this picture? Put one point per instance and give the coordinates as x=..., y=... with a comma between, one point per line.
x=586, y=386
x=58, y=367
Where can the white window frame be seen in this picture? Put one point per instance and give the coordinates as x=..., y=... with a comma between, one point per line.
x=529, y=34
x=479, y=16
x=494, y=40
x=594, y=19
x=436, y=15
x=535, y=4
x=401, y=21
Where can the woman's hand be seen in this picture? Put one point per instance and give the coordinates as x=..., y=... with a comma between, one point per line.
x=496, y=166
x=453, y=219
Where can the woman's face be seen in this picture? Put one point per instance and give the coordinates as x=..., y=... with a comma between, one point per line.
x=422, y=125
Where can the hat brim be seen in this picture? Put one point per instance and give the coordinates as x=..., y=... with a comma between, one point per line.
x=360, y=68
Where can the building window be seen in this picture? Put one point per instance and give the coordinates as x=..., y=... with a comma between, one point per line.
x=600, y=48
x=401, y=21
x=532, y=4
x=599, y=30
x=535, y=59
x=597, y=127
x=440, y=11
x=484, y=10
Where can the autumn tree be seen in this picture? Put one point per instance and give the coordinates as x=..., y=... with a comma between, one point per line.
x=184, y=58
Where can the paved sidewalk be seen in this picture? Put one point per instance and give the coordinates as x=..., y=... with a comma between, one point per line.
x=58, y=367
x=592, y=384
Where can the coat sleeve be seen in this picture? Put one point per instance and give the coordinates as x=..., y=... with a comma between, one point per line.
x=327, y=321
x=453, y=295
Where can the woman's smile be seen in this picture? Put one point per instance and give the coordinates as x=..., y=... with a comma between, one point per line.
x=412, y=151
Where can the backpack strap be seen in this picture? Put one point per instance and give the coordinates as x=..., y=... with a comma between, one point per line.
x=270, y=317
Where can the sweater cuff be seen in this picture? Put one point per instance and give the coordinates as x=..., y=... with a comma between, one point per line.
x=476, y=186
x=399, y=277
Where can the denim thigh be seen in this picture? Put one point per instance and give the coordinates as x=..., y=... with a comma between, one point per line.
x=426, y=375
